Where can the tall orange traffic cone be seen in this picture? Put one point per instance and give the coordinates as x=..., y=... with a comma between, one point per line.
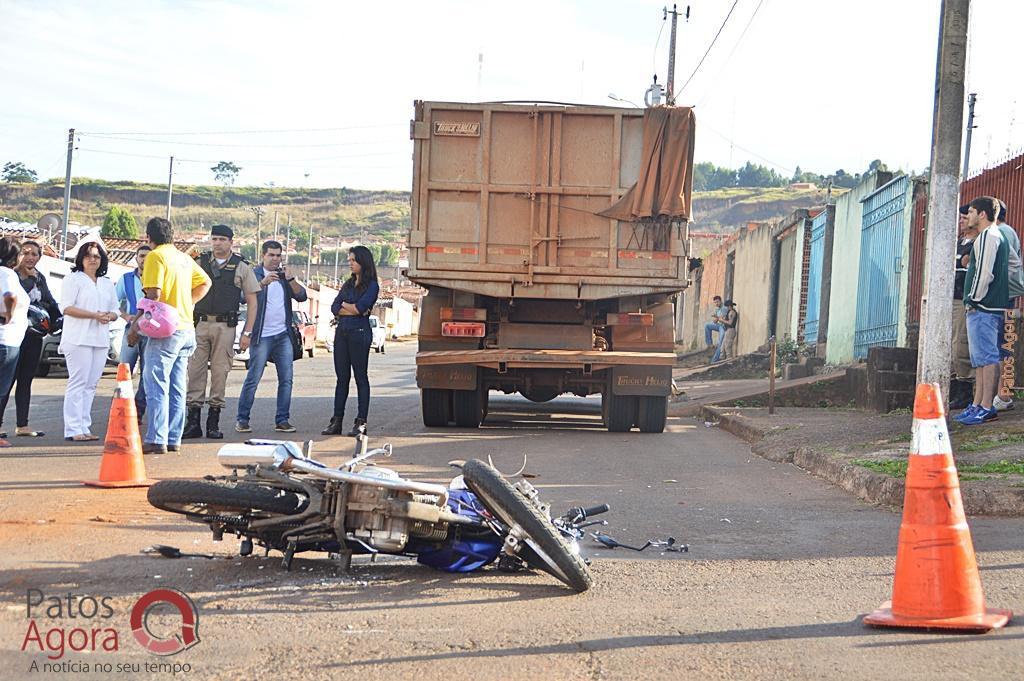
x=937, y=585
x=122, y=464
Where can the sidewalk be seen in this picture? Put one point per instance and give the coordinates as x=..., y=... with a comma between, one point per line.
x=866, y=453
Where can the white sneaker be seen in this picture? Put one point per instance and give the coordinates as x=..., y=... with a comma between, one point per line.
x=999, y=404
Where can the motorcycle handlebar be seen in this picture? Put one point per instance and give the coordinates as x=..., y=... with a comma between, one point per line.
x=595, y=510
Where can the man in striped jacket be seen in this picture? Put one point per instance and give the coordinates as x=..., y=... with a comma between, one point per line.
x=986, y=297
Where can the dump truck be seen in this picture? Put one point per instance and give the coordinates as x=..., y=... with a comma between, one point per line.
x=552, y=242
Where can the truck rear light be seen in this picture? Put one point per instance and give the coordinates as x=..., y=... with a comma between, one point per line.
x=464, y=329
x=631, y=319
x=463, y=314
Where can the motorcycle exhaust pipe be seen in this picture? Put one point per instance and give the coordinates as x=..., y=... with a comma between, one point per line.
x=356, y=479
x=240, y=455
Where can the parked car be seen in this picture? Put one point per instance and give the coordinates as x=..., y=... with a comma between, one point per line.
x=307, y=329
x=51, y=356
x=379, y=334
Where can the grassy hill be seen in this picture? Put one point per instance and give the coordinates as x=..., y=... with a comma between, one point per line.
x=335, y=212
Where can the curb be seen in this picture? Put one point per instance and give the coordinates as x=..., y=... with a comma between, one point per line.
x=872, y=487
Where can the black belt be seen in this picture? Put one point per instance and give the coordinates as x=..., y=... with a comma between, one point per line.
x=231, y=319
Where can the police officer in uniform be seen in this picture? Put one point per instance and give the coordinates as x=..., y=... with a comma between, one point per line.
x=216, y=317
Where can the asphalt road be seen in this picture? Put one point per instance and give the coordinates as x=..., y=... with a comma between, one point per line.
x=781, y=565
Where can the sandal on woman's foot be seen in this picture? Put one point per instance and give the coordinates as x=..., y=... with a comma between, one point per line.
x=84, y=437
x=26, y=432
x=4, y=443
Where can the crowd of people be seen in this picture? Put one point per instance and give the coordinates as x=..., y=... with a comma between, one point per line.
x=989, y=279
x=182, y=315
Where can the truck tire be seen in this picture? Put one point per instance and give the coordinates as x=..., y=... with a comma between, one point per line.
x=652, y=414
x=554, y=556
x=467, y=408
x=436, y=406
x=620, y=412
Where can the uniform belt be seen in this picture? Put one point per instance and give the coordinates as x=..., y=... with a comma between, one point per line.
x=230, y=318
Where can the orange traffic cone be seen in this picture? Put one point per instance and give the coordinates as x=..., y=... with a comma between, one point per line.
x=122, y=464
x=937, y=585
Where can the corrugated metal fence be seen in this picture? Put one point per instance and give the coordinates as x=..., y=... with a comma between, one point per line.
x=810, y=330
x=1006, y=182
x=881, y=255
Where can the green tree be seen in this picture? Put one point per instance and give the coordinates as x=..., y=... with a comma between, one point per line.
x=16, y=171
x=119, y=223
x=751, y=175
x=225, y=172
x=388, y=255
x=375, y=252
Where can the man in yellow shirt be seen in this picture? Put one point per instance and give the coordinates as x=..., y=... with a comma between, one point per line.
x=175, y=279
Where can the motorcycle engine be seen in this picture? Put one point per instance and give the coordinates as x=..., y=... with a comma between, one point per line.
x=367, y=517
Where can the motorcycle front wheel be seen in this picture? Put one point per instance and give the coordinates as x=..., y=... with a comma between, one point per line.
x=551, y=552
x=198, y=498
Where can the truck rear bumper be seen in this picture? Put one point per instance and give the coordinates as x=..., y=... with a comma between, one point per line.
x=590, y=360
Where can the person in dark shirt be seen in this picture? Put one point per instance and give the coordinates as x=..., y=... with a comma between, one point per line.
x=961, y=355
x=351, y=309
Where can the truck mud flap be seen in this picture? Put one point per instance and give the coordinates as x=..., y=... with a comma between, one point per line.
x=642, y=380
x=447, y=377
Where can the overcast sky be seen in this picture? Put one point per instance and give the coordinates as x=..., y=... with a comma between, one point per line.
x=825, y=85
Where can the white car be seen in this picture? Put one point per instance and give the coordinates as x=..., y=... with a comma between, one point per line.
x=379, y=334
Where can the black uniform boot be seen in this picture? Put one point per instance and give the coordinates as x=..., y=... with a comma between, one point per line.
x=192, y=427
x=334, y=427
x=213, y=424
x=358, y=428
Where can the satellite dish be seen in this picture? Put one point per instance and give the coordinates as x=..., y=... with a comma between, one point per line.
x=49, y=222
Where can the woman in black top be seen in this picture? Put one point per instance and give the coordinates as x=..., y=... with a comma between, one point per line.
x=39, y=294
x=352, y=338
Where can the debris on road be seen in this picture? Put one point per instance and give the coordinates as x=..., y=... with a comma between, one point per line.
x=101, y=519
x=174, y=552
x=664, y=544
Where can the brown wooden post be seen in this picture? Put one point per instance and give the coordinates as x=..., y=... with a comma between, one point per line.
x=771, y=378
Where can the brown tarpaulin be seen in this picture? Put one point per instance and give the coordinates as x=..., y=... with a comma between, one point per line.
x=666, y=168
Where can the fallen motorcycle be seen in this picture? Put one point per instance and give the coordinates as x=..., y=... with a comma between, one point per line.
x=279, y=497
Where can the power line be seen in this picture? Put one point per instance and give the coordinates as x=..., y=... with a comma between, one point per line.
x=752, y=153
x=735, y=47
x=244, y=146
x=287, y=162
x=713, y=41
x=248, y=132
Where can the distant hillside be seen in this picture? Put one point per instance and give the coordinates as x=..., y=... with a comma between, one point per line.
x=336, y=212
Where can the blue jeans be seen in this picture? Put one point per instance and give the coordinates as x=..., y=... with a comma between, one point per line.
x=8, y=366
x=352, y=356
x=709, y=329
x=279, y=348
x=132, y=356
x=165, y=375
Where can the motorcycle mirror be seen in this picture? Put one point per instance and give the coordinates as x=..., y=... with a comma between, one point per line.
x=307, y=451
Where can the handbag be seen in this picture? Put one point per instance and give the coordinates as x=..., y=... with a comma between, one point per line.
x=296, y=336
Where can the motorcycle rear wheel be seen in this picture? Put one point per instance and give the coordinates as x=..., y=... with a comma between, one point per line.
x=205, y=497
x=553, y=554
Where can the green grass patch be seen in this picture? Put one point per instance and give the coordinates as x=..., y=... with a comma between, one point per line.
x=983, y=444
x=897, y=468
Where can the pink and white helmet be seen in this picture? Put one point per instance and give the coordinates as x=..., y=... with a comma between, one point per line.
x=159, y=320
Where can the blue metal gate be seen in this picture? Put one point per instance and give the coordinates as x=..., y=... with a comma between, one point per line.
x=810, y=330
x=881, y=262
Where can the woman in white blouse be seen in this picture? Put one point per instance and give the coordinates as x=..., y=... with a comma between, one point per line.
x=89, y=304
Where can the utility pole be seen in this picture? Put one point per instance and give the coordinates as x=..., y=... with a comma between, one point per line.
x=170, y=185
x=971, y=99
x=287, y=237
x=670, y=92
x=67, y=194
x=934, y=347
x=337, y=249
x=309, y=255
x=276, y=232
x=259, y=210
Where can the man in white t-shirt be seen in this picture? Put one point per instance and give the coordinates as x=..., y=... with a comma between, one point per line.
x=13, y=316
x=271, y=337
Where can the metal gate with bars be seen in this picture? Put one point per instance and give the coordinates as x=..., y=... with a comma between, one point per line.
x=881, y=262
x=810, y=330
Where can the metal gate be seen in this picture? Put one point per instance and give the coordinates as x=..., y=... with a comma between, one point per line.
x=881, y=262
x=810, y=330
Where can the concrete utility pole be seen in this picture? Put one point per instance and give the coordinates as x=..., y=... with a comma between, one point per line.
x=971, y=99
x=337, y=249
x=259, y=211
x=170, y=185
x=934, y=347
x=670, y=83
x=287, y=237
x=309, y=254
x=276, y=232
x=67, y=194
